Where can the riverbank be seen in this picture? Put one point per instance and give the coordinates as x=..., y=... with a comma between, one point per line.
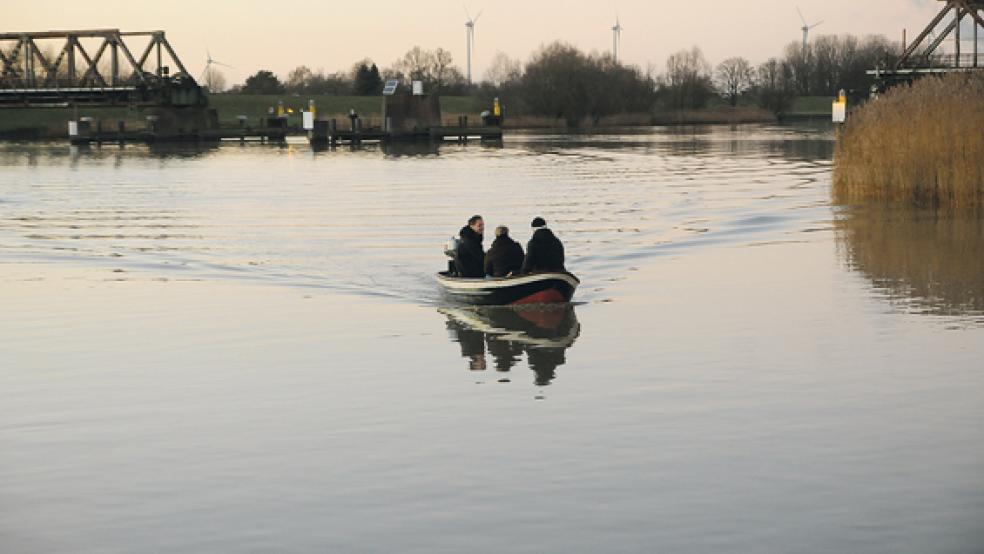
x=921, y=145
x=51, y=123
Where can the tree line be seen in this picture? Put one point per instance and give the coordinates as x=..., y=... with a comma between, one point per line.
x=434, y=67
x=559, y=80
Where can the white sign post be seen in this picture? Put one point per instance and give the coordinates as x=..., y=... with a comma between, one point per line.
x=839, y=111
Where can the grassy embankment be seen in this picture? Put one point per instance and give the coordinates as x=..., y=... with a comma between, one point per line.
x=921, y=145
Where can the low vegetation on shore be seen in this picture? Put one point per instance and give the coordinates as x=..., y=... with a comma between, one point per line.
x=921, y=144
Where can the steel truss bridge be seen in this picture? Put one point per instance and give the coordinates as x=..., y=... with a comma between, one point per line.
x=104, y=71
x=922, y=56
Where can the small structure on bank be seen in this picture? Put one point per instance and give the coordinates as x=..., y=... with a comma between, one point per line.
x=407, y=115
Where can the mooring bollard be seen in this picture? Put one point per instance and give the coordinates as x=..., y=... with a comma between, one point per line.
x=242, y=128
x=152, y=126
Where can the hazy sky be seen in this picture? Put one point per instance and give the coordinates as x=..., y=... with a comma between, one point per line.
x=254, y=34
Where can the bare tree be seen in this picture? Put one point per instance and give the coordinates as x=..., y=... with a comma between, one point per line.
x=503, y=70
x=299, y=78
x=440, y=66
x=416, y=64
x=734, y=78
x=687, y=81
x=774, y=84
x=215, y=81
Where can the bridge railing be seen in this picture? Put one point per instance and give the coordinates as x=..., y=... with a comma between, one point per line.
x=946, y=61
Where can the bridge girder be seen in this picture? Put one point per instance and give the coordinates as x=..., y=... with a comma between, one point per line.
x=30, y=76
x=920, y=53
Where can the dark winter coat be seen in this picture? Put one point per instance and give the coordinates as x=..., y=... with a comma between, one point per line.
x=544, y=252
x=505, y=256
x=469, y=260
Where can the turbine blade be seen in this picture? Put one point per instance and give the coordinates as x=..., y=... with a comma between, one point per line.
x=466, y=13
x=803, y=19
x=222, y=64
x=817, y=24
x=477, y=16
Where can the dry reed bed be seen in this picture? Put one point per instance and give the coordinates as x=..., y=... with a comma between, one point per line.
x=921, y=144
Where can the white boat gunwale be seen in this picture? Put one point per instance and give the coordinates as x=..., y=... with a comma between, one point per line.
x=491, y=283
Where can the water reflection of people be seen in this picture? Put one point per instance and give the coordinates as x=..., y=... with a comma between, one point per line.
x=927, y=258
x=472, y=344
x=543, y=333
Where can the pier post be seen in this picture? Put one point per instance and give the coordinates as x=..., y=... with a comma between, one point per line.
x=152, y=127
x=80, y=130
x=333, y=130
x=320, y=134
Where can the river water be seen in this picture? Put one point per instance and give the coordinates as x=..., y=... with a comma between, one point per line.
x=243, y=349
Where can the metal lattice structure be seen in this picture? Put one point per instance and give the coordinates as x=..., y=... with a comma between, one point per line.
x=923, y=56
x=107, y=74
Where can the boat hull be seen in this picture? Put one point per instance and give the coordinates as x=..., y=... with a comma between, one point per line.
x=538, y=288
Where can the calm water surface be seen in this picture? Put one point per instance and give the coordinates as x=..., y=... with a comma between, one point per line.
x=243, y=349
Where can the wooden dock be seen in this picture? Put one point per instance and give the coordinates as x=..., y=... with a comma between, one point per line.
x=88, y=132
x=327, y=132
x=324, y=133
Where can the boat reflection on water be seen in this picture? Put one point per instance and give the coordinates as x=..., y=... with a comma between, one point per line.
x=542, y=333
x=928, y=261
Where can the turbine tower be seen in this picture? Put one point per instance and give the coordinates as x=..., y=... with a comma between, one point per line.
x=207, y=75
x=470, y=39
x=806, y=27
x=616, y=39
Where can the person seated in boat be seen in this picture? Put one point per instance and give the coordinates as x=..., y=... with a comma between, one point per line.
x=469, y=259
x=505, y=256
x=544, y=251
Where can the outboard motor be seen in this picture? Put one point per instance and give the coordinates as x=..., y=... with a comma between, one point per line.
x=451, y=250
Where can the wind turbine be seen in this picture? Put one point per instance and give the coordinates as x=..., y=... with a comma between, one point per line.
x=616, y=38
x=470, y=39
x=806, y=27
x=206, y=73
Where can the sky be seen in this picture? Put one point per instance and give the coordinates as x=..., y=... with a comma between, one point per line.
x=332, y=35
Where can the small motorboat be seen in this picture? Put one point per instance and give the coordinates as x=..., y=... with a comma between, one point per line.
x=535, y=288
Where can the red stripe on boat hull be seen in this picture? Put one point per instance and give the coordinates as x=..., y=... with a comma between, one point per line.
x=549, y=296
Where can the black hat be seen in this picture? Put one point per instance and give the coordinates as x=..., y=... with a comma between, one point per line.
x=538, y=222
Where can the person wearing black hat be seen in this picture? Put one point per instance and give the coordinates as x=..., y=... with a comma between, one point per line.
x=469, y=259
x=544, y=252
x=505, y=256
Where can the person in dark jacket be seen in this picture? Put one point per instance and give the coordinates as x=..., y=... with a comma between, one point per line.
x=505, y=256
x=544, y=252
x=469, y=260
